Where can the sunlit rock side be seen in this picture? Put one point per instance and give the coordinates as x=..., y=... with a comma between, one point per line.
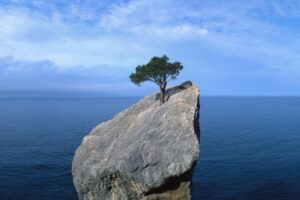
x=146, y=152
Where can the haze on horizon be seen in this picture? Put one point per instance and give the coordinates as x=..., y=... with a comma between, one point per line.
x=227, y=47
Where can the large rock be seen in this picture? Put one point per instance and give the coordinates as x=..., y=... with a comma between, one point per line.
x=145, y=152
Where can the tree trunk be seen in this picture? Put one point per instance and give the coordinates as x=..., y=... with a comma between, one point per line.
x=162, y=95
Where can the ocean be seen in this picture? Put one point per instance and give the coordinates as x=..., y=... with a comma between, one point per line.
x=250, y=146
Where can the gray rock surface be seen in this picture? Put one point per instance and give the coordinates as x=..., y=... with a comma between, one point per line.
x=145, y=152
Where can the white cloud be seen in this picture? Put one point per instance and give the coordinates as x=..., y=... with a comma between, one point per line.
x=178, y=32
x=32, y=36
x=126, y=33
x=45, y=74
x=151, y=18
x=92, y=34
x=25, y=25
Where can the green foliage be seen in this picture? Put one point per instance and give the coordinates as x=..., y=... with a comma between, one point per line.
x=159, y=70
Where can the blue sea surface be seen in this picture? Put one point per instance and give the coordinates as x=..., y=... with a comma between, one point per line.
x=250, y=146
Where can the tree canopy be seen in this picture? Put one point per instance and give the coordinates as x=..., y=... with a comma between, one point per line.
x=159, y=71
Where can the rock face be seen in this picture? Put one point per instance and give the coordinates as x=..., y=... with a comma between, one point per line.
x=145, y=152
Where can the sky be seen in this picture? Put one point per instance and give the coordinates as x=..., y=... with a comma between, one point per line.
x=227, y=47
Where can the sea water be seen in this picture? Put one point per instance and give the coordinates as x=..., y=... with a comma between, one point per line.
x=250, y=146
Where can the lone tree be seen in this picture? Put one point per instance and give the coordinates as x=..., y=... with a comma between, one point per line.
x=158, y=70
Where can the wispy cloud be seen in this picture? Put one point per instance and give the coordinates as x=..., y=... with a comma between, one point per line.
x=254, y=41
x=166, y=19
x=46, y=75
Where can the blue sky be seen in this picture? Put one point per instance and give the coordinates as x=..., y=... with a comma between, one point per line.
x=228, y=47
